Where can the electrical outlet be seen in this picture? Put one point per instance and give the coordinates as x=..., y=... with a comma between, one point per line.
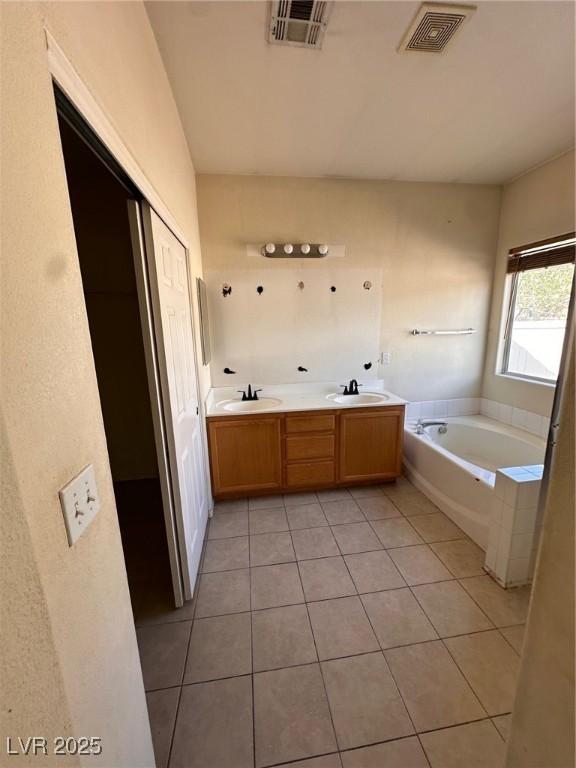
x=80, y=503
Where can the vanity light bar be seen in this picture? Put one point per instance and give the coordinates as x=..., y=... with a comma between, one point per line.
x=298, y=251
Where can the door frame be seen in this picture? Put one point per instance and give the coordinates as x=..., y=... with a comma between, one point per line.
x=69, y=82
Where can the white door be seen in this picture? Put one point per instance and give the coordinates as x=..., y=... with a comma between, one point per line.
x=172, y=319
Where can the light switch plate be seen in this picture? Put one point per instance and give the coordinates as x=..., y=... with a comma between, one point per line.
x=80, y=503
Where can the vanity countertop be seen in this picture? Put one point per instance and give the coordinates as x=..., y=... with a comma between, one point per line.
x=296, y=397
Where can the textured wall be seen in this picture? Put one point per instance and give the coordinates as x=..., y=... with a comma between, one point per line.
x=266, y=337
x=542, y=731
x=538, y=205
x=433, y=242
x=71, y=608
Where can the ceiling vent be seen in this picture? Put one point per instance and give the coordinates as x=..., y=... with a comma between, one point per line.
x=434, y=27
x=298, y=22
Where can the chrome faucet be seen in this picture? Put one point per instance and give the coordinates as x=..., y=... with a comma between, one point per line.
x=249, y=394
x=423, y=423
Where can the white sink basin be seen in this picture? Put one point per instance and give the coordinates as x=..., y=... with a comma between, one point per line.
x=244, y=406
x=364, y=398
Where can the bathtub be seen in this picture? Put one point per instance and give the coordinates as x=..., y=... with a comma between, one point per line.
x=457, y=470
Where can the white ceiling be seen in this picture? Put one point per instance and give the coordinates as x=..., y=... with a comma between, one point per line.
x=500, y=100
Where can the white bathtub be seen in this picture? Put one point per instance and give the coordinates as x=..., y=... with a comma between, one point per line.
x=457, y=470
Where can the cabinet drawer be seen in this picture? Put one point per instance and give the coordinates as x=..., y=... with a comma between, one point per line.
x=313, y=473
x=310, y=447
x=320, y=423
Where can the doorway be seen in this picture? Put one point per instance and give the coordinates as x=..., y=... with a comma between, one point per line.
x=161, y=530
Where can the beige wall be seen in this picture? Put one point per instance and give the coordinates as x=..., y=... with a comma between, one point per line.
x=537, y=205
x=542, y=731
x=77, y=666
x=434, y=242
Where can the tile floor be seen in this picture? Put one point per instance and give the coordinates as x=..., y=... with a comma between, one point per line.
x=343, y=629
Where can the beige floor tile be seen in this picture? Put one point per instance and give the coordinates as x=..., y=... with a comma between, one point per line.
x=399, y=486
x=474, y=745
x=226, y=525
x=219, y=647
x=276, y=585
x=436, y=527
x=515, y=636
x=356, y=537
x=419, y=565
x=234, y=505
x=265, y=502
x=268, y=520
x=292, y=718
x=502, y=723
x=365, y=704
x=325, y=578
x=366, y=492
x=403, y=753
x=313, y=543
x=462, y=557
x=341, y=628
x=397, y=618
x=435, y=691
x=282, y=637
x=299, y=499
x=225, y=592
x=450, y=609
x=378, y=508
x=491, y=667
x=306, y=516
x=271, y=548
x=414, y=503
x=162, y=707
x=336, y=494
x=374, y=571
x=396, y=532
x=214, y=725
x=226, y=555
x=162, y=649
x=345, y=511
x=506, y=607
x=326, y=761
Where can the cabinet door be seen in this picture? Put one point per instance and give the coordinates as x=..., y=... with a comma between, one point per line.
x=371, y=444
x=245, y=455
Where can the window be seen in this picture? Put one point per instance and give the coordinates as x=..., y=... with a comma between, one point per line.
x=541, y=276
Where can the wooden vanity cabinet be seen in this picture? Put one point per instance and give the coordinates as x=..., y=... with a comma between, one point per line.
x=304, y=450
x=245, y=454
x=370, y=444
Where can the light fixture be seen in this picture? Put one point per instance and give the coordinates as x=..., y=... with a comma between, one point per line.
x=294, y=251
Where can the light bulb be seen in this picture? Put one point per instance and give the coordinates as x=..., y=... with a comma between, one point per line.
x=288, y=248
x=305, y=248
x=270, y=247
x=323, y=250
